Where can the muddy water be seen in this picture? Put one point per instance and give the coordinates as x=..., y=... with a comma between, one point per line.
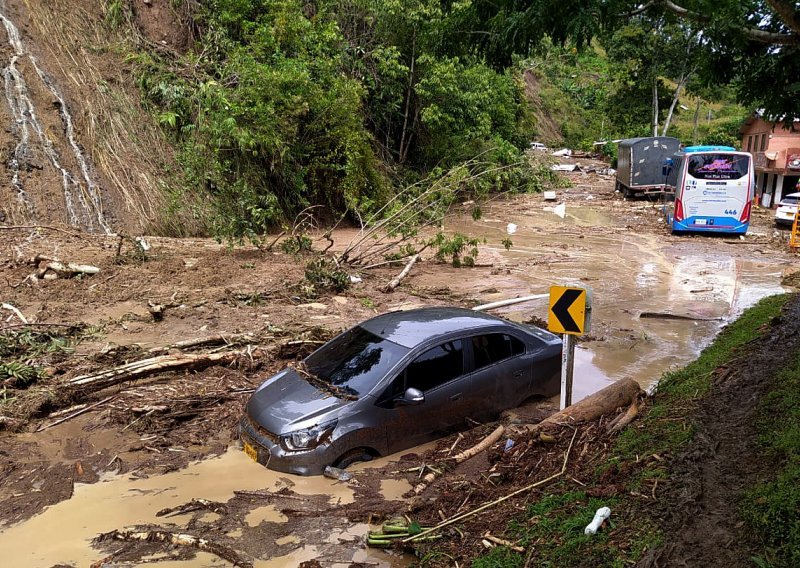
x=705, y=280
x=119, y=502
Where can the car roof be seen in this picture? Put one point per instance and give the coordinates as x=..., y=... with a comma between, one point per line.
x=792, y=195
x=413, y=327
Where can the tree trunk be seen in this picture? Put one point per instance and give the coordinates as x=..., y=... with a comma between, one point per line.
x=606, y=401
x=655, y=106
x=696, y=121
x=678, y=89
x=403, y=141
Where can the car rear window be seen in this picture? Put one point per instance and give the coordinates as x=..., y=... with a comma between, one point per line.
x=789, y=200
x=355, y=360
x=494, y=347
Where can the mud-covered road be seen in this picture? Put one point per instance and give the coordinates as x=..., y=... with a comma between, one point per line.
x=117, y=465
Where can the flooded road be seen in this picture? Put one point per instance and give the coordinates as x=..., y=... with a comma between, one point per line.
x=637, y=282
x=657, y=301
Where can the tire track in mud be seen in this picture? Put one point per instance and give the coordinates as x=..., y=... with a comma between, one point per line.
x=82, y=201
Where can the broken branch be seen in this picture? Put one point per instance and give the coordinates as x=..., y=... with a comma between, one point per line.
x=179, y=539
x=396, y=281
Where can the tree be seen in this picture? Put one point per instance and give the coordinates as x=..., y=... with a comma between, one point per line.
x=753, y=43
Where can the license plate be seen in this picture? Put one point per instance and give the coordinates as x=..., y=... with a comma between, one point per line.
x=250, y=451
x=700, y=222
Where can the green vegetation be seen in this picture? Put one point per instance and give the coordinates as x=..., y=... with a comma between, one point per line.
x=639, y=457
x=283, y=105
x=25, y=351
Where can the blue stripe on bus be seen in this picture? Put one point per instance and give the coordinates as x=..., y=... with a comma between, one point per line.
x=712, y=224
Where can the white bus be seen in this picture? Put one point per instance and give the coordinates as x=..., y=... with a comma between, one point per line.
x=713, y=190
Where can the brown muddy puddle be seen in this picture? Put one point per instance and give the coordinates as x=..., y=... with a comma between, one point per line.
x=120, y=502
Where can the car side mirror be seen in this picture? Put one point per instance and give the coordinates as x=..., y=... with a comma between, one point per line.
x=666, y=169
x=411, y=397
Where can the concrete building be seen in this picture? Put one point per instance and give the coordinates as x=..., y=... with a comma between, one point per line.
x=776, y=155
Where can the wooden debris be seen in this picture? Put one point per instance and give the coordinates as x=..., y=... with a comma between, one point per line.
x=186, y=344
x=525, y=489
x=10, y=423
x=156, y=310
x=502, y=542
x=16, y=312
x=603, y=402
x=620, y=393
x=178, y=539
x=670, y=316
x=82, y=410
x=623, y=419
x=153, y=365
x=194, y=505
x=399, y=278
x=48, y=268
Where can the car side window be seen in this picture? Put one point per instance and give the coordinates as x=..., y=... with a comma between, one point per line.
x=436, y=366
x=494, y=347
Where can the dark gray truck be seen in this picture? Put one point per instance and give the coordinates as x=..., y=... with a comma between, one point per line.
x=640, y=163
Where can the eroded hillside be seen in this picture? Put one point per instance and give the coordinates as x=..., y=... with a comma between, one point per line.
x=78, y=147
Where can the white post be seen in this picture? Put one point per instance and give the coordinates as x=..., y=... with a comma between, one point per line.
x=778, y=189
x=567, y=365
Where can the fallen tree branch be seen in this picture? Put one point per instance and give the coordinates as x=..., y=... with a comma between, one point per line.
x=194, y=505
x=179, y=539
x=623, y=419
x=231, y=339
x=151, y=366
x=76, y=413
x=399, y=278
x=618, y=394
x=16, y=311
x=525, y=489
x=462, y=457
x=37, y=227
x=59, y=269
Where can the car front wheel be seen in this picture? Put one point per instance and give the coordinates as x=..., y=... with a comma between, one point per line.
x=353, y=456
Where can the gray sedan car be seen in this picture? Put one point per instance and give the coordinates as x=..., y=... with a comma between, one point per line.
x=393, y=382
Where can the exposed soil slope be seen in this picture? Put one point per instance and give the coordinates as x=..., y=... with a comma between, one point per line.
x=84, y=75
x=700, y=506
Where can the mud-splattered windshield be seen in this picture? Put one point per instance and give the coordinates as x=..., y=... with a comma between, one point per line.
x=355, y=361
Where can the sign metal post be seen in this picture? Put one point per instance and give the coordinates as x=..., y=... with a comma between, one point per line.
x=570, y=315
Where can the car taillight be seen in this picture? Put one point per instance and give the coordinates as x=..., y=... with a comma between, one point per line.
x=745, y=217
x=678, y=210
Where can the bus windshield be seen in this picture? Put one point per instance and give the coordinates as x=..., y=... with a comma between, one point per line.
x=718, y=166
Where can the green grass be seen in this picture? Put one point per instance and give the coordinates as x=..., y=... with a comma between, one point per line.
x=554, y=525
x=772, y=509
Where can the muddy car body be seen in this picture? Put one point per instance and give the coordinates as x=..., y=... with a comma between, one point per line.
x=396, y=381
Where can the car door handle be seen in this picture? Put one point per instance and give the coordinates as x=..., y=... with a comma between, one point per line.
x=456, y=396
x=518, y=374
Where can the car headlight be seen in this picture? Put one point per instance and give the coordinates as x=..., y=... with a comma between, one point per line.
x=308, y=439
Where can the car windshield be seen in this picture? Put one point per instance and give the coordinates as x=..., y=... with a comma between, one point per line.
x=354, y=361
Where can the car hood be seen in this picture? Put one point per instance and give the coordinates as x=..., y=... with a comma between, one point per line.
x=287, y=402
